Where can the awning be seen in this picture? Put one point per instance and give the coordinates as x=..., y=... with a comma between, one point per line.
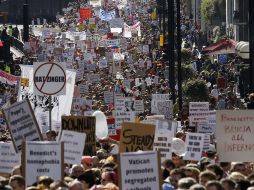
x=224, y=46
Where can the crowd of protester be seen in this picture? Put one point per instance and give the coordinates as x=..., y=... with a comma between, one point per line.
x=226, y=82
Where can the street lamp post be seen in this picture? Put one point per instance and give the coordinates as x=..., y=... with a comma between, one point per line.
x=25, y=21
x=179, y=56
x=171, y=47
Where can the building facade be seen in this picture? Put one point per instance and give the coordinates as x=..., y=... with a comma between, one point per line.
x=37, y=9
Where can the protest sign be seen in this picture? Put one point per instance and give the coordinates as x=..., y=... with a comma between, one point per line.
x=8, y=158
x=95, y=3
x=155, y=99
x=126, y=83
x=108, y=97
x=140, y=170
x=85, y=13
x=139, y=106
x=22, y=124
x=103, y=63
x=107, y=15
x=234, y=134
x=83, y=88
x=165, y=108
x=163, y=142
x=42, y=159
x=49, y=78
x=116, y=23
x=124, y=110
x=74, y=143
x=111, y=126
x=145, y=49
x=94, y=78
x=136, y=136
x=206, y=144
x=194, y=142
x=115, y=42
x=83, y=124
x=198, y=112
x=8, y=78
x=164, y=134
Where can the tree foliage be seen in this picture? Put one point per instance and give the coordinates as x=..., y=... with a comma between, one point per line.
x=208, y=10
x=186, y=55
x=196, y=91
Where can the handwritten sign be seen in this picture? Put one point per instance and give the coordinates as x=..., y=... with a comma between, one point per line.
x=8, y=158
x=85, y=124
x=234, y=134
x=42, y=159
x=74, y=143
x=140, y=170
x=198, y=112
x=195, y=142
x=22, y=124
x=136, y=136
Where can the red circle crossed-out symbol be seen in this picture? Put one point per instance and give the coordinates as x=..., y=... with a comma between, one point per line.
x=42, y=87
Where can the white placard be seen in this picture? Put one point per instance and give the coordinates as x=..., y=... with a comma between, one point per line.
x=206, y=142
x=165, y=108
x=198, y=112
x=22, y=124
x=163, y=142
x=83, y=88
x=74, y=143
x=125, y=111
x=195, y=143
x=43, y=159
x=94, y=78
x=140, y=170
x=8, y=158
x=139, y=106
x=155, y=99
x=108, y=97
x=49, y=78
x=234, y=134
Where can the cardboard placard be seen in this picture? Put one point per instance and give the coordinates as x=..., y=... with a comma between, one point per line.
x=74, y=143
x=85, y=124
x=136, y=136
x=8, y=158
x=234, y=134
x=42, y=159
x=140, y=170
x=22, y=124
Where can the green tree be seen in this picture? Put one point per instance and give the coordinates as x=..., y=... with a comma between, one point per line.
x=188, y=72
x=196, y=91
x=208, y=10
x=186, y=55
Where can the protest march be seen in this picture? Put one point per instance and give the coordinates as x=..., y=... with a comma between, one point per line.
x=89, y=107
